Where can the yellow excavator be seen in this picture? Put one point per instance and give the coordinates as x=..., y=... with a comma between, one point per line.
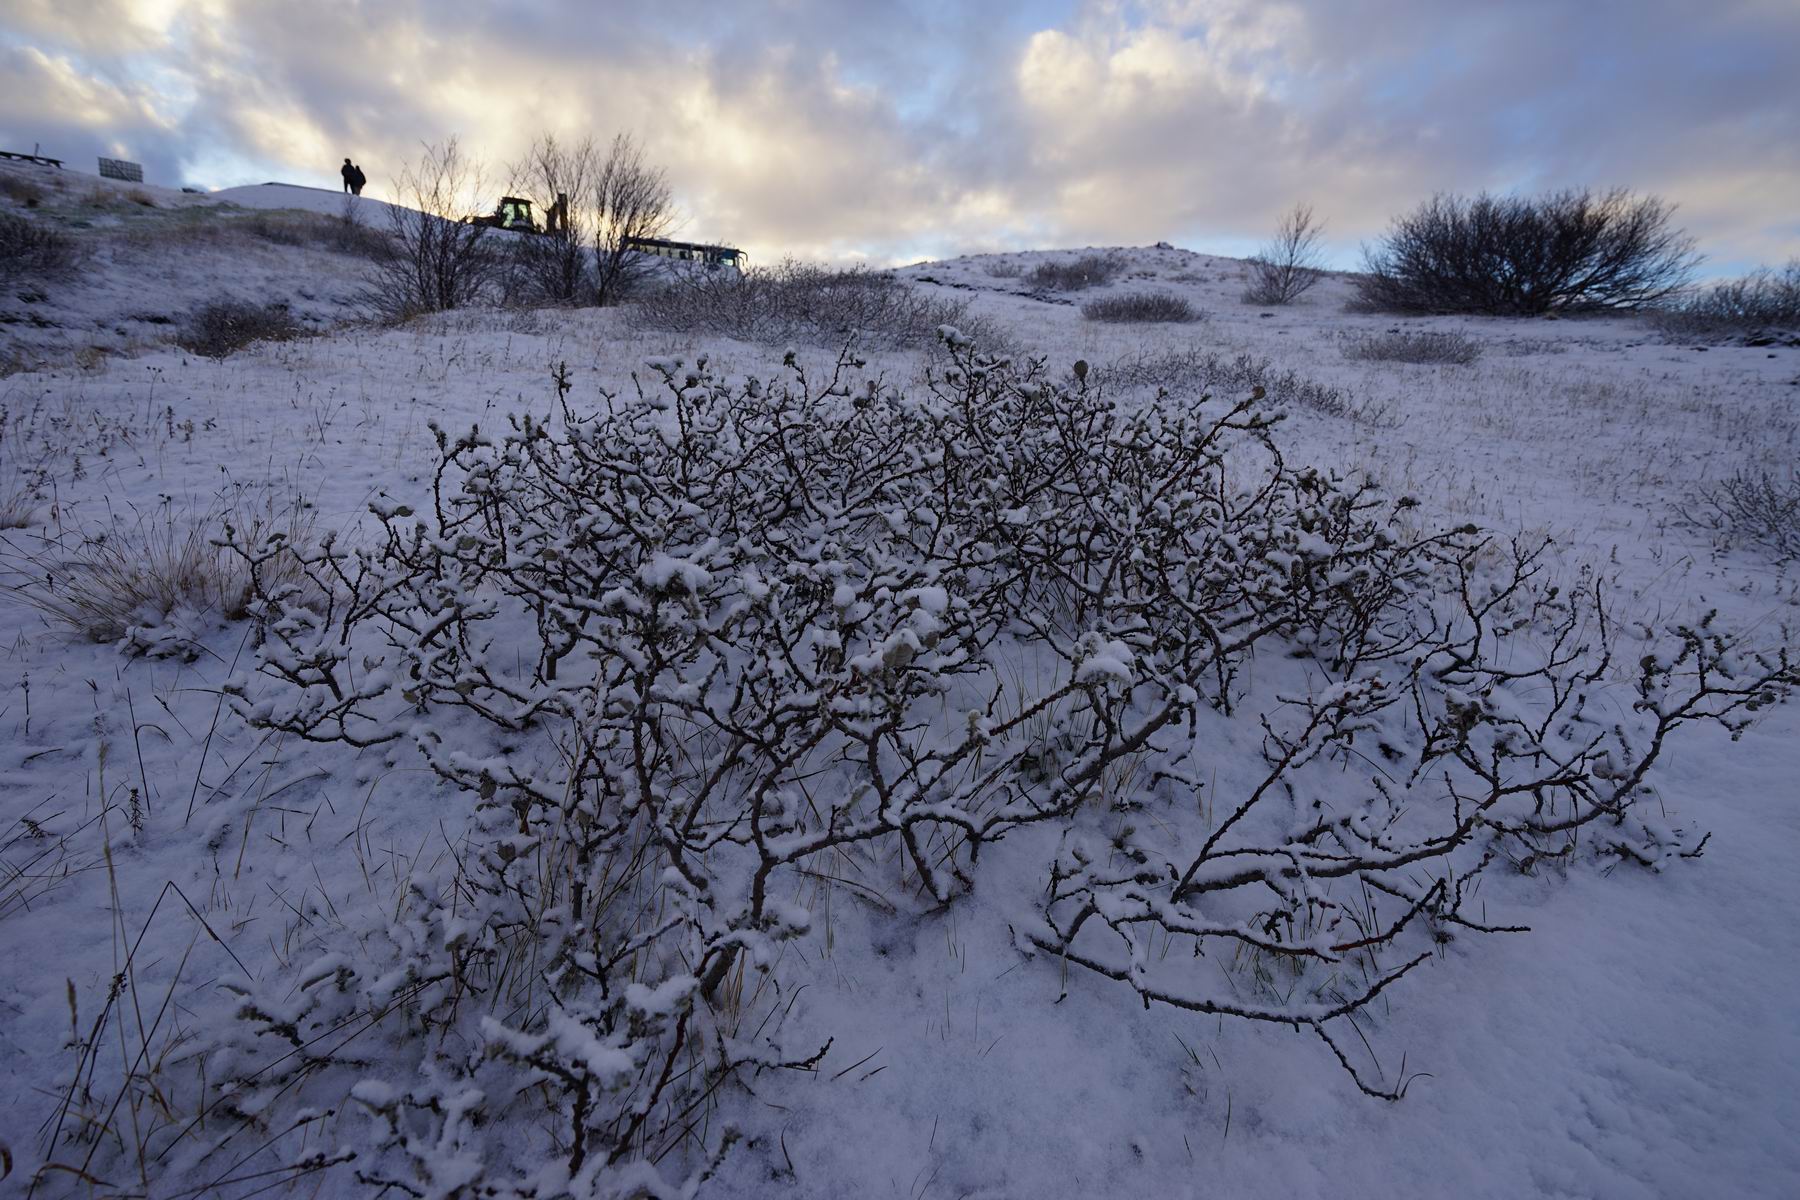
x=514, y=213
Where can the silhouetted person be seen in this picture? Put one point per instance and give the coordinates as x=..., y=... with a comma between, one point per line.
x=357, y=179
x=348, y=171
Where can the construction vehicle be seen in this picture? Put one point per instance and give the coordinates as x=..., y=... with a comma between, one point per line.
x=513, y=213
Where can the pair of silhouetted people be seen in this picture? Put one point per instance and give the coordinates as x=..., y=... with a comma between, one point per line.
x=353, y=177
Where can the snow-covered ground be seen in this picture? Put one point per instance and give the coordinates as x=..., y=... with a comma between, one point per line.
x=1642, y=1040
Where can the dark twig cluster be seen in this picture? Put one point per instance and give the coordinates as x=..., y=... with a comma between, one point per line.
x=434, y=260
x=1750, y=508
x=1568, y=251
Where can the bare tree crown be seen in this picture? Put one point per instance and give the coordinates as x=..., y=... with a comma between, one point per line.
x=1569, y=251
x=1291, y=262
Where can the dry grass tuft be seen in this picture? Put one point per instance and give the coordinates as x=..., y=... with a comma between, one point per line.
x=148, y=566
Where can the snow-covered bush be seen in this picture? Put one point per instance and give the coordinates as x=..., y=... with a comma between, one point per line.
x=1141, y=308
x=801, y=303
x=223, y=327
x=1421, y=346
x=678, y=650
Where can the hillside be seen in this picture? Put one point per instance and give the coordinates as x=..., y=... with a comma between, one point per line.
x=186, y=883
x=148, y=256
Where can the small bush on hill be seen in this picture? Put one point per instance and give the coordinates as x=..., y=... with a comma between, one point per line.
x=1568, y=251
x=32, y=249
x=1765, y=300
x=799, y=302
x=1090, y=270
x=1291, y=263
x=224, y=327
x=1426, y=346
x=1141, y=307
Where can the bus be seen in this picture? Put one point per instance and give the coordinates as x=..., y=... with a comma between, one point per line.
x=711, y=257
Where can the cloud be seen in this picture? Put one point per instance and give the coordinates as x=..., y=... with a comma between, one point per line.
x=926, y=126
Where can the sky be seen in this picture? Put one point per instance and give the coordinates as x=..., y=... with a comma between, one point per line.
x=894, y=130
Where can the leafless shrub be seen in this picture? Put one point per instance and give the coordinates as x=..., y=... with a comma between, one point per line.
x=1762, y=302
x=675, y=651
x=1409, y=346
x=801, y=303
x=1074, y=275
x=557, y=265
x=1291, y=263
x=1141, y=307
x=631, y=200
x=1568, y=251
x=434, y=260
x=1196, y=372
x=1752, y=508
x=1004, y=268
x=223, y=327
x=31, y=249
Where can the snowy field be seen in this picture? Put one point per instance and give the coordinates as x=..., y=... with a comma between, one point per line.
x=162, y=857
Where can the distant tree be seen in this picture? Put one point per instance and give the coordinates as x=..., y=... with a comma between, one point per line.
x=1567, y=251
x=1292, y=261
x=558, y=265
x=436, y=260
x=631, y=200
